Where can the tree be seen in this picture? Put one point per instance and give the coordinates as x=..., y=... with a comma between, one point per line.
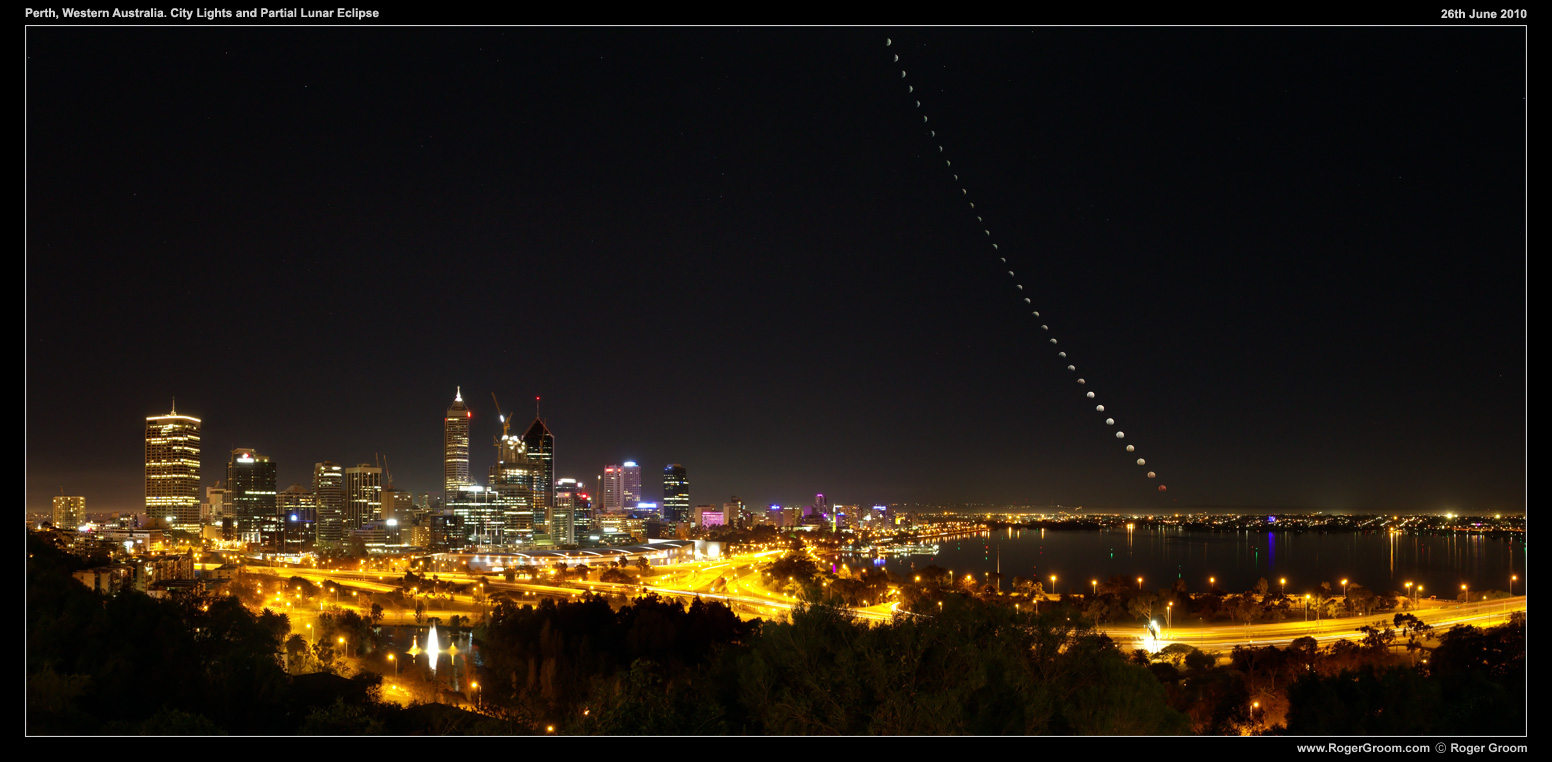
x=377, y=613
x=1141, y=605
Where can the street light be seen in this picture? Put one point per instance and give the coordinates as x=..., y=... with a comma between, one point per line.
x=1139, y=584
x=1512, y=579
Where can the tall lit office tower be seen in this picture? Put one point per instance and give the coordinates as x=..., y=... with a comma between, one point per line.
x=329, y=492
x=676, y=494
x=570, y=517
x=630, y=483
x=69, y=512
x=363, y=496
x=250, y=478
x=172, y=470
x=298, y=509
x=512, y=480
x=455, y=447
x=614, y=500
x=541, y=450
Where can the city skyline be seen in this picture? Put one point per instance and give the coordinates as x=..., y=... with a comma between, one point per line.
x=1291, y=295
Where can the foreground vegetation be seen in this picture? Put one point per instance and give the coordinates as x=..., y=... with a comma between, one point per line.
x=957, y=664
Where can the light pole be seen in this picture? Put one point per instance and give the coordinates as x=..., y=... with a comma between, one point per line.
x=1513, y=578
x=1094, y=586
x=1139, y=584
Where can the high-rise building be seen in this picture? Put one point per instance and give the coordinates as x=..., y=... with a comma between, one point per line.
x=733, y=513
x=363, y=496
x=571, y=517
x=541, y=451
x=398, y=504
x=69, y=512
x=480, y=519
x=676, y=494
x=513, y=482
x=455, y=447
x=172, y=470
x=299, y=500
x=614, y=499
x=329, y=493
x=298, y=508
x=630, y=484
x=217, y=505
x=250, y=477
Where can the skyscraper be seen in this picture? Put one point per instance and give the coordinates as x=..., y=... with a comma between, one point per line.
x=541, y=451
x=172, y=470
x=455, y=447
x=298, y=509
x=250, y=477
x=630, y=484
x=363, y=496
x=573, y=514
x=614, y=498
x=69, y=512
x=329, y=492
x=676, y=494
x=512, y=479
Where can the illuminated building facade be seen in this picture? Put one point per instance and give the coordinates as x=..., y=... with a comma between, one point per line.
x=250, y=478
x=676, y=494
x=475, y=517
x=363, y=496
x=329, y=494
x=540, y=444
x=614, y=499
x=172, y=470
x=69, y=512
x=455, y=447
x=630, y=484
x=298, y=508
x=574, y=510
x=513, y=484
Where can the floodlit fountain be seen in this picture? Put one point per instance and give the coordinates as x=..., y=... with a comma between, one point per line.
x=431, y=646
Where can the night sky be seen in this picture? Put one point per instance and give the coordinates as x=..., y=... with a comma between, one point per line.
x=1290, y=261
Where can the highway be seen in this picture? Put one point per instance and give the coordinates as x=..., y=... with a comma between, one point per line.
x=737, y=582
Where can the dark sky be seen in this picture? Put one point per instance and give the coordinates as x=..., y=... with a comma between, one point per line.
x=1290, y=261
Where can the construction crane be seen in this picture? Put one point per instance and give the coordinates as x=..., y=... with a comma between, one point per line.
x=504, y=422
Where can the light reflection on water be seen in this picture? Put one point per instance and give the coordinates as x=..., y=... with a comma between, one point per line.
x=1380, y=561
